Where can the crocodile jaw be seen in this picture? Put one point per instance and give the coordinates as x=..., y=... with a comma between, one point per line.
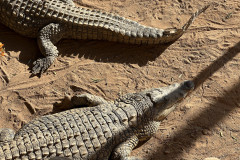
x=164, y=99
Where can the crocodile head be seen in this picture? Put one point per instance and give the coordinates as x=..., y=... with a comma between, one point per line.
x=165, y=98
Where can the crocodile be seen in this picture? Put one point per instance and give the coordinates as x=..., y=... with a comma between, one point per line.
x=52, y=20
x=95, y=129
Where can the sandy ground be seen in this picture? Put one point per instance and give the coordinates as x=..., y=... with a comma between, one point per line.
x=205, y=124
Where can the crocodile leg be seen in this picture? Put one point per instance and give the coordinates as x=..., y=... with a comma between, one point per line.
x=6, y=135
x=48, y=36
x=123, y=150
x=87, y=100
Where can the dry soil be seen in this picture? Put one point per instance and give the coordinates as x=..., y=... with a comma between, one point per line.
x=205, y=124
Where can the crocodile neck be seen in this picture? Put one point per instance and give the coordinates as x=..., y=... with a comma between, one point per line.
x=132, y=113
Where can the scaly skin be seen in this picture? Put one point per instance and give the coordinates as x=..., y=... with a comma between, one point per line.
x=51, y=20
x=110, y=129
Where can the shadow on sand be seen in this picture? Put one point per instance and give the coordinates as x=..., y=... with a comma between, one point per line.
x=181, y=141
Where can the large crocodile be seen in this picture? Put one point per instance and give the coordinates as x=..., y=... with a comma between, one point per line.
x=103, y=130
x=51, y=20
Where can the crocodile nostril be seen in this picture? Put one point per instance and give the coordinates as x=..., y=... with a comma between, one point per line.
x=189, y=84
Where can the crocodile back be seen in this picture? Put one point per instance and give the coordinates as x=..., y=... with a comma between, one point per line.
x=86, y=133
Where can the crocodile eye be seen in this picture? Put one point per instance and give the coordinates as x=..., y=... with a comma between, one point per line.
x=128, y=101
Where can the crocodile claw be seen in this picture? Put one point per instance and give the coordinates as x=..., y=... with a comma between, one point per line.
x=41, y=65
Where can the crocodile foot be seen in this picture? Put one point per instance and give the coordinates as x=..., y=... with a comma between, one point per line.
x=41, y=65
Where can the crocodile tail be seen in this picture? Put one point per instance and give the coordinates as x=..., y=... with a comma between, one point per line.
x=185, y=27
x=170, y=35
